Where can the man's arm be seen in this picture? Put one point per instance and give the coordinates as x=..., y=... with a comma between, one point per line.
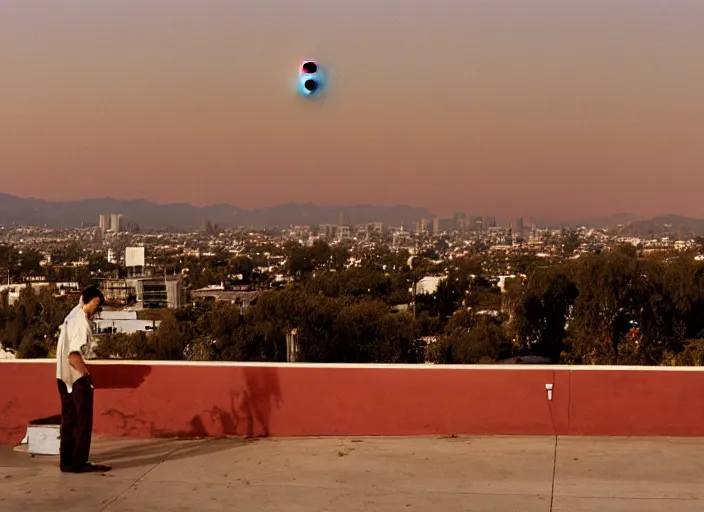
x=78, y=338
x=75, y=359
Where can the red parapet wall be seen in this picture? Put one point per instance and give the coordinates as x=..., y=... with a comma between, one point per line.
x=165, y=399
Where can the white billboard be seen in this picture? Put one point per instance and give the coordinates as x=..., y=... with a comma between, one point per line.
x=134, y=257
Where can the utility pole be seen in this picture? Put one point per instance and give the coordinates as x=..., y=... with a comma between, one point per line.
x=414, y=298
x=413, y=285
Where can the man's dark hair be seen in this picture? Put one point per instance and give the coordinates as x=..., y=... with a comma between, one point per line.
x=91, y=292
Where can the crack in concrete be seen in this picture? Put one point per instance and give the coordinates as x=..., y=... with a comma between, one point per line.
x=133, y=484
x=554, y=471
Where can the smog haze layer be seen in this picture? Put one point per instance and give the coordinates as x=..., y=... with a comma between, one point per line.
x=538, y=107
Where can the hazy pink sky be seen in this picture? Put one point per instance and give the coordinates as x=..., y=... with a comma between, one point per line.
x=489, y=106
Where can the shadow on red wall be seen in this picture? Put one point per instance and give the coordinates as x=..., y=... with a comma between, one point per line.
x=247, y=411
x=119, y=376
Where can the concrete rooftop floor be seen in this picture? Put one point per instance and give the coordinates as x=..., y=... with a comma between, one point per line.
x=523, y=474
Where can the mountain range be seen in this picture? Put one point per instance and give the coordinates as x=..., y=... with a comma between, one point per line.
x=662, y=224
x=182, y=216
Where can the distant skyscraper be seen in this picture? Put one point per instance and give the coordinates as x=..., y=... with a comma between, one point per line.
x=104, y=222
x=111, y=222
x=509, y=237
x=475, y=222
x=518, y=226
x=115, y=222
x=460, y=221
x=490, y=222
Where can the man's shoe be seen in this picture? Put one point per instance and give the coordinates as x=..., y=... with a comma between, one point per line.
x=89, y=467
x=95, y=468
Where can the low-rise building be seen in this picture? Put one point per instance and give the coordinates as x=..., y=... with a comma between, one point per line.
x=127, y=322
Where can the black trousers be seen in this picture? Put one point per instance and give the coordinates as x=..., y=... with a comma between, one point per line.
x=76, y=424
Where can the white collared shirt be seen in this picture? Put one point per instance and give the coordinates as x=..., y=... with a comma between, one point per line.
x=76, y=336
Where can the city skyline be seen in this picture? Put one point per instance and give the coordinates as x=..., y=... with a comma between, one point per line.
x=37, y=212
x=544, y=109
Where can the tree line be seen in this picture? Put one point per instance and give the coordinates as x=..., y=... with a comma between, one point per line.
x=616, y=307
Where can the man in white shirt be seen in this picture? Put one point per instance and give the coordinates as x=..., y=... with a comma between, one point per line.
x=76, y=386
